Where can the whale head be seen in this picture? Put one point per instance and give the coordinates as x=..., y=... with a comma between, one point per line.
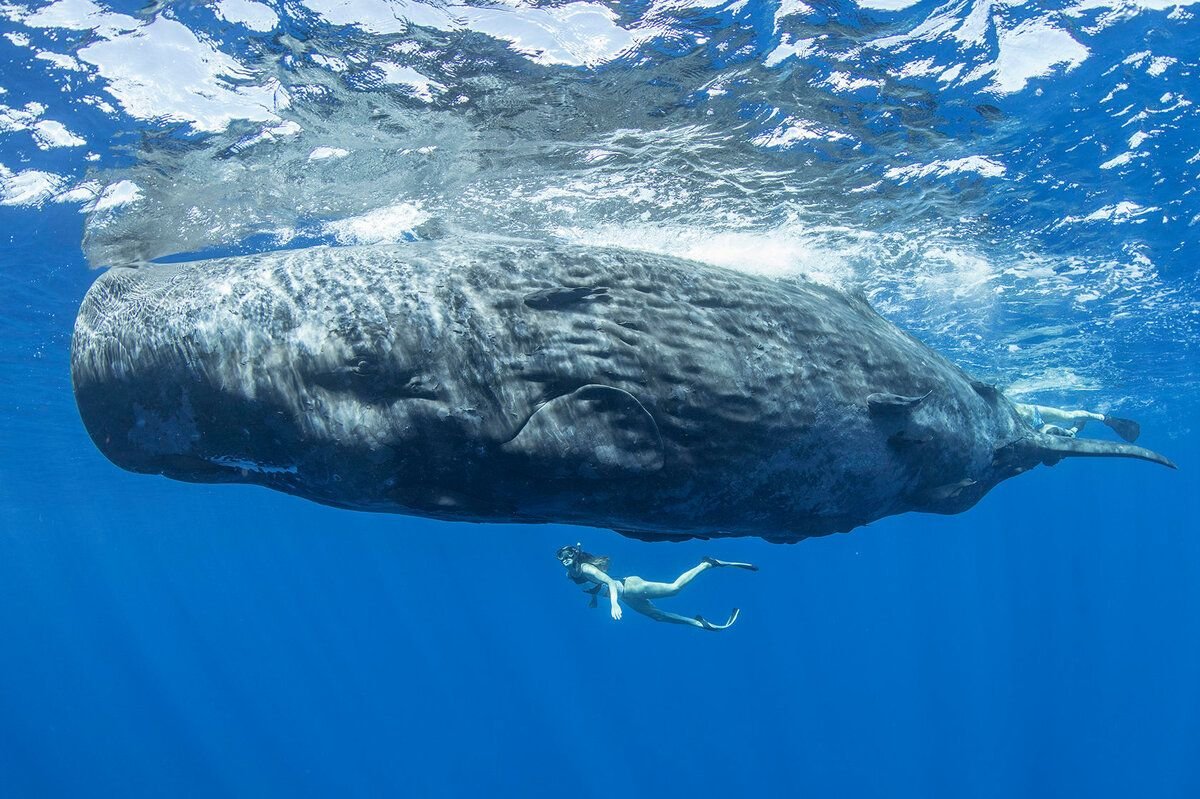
x=258, y=372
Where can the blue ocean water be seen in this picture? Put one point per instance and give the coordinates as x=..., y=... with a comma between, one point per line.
x=1013, y=182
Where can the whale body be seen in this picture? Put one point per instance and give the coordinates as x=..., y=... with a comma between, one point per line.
x=493, y=380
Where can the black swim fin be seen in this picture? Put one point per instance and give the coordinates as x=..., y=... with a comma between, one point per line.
x=708, y=625
x=736, y=565
x=1125, y=428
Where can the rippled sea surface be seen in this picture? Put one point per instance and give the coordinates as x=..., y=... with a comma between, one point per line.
x=1016, y=183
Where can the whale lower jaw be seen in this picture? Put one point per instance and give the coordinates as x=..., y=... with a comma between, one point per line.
x=1053, y=449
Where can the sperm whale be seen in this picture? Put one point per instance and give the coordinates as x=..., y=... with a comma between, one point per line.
x=496, y=380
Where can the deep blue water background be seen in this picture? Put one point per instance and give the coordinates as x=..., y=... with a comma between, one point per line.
x=164, y=639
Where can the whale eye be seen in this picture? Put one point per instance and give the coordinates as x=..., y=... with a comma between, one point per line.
x=374, y=378
x=363, y=367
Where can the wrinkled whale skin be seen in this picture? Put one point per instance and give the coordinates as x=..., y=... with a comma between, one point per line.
x=494, y=380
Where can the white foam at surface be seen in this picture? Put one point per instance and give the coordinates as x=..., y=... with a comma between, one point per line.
x=1123, y=211
x=794, y=130
x=844, y=82
x=30, y=187
x=422, y=87
x=778, y=253
x=941, y=22
x=379, y=226
x=159, y=70
x=254, y=16
x=1136, y=139
x=792, y=8
x=985, y=167
x=79, y=15
x=918, y=68
x=16, y=119
x=788, y=49
x=1155, y=65
x=47, y=134
x=1159, y=64
x=381, y=16
x=974, y=27
x=69, y=63
x=83, y=193
x=1120, y=160
x=163, y=71
x=1033, y=49
x=572, y=34
x=887, y=5
x=1147, y=5
x=329, y=62
x=114, y=195
x=951, y=74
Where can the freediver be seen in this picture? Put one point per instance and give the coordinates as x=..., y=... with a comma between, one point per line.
x=584, y=568
x=1068, y=423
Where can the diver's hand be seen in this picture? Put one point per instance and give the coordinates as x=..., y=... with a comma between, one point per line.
x=616, y=612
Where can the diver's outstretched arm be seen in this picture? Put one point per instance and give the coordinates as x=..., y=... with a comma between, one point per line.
x=600, y=577
x=1068, y=418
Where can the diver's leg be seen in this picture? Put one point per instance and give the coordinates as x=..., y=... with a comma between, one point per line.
x=1072, y=419
x=647, y=589
x=1075, y=420
x=646, y=608
x=638, y=588
x=1079, y=419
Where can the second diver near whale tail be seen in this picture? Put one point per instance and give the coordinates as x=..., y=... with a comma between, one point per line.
x=1069, y=423
x=587, y=569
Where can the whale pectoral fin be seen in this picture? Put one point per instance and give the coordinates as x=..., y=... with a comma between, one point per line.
x=593, y=431
x=883, y=403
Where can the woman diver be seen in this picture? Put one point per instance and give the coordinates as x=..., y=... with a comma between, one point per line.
x=584, y=568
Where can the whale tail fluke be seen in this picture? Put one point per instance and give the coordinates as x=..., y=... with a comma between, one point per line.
x=1055, y=448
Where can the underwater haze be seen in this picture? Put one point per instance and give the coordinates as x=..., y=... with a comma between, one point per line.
x=1017, y=183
